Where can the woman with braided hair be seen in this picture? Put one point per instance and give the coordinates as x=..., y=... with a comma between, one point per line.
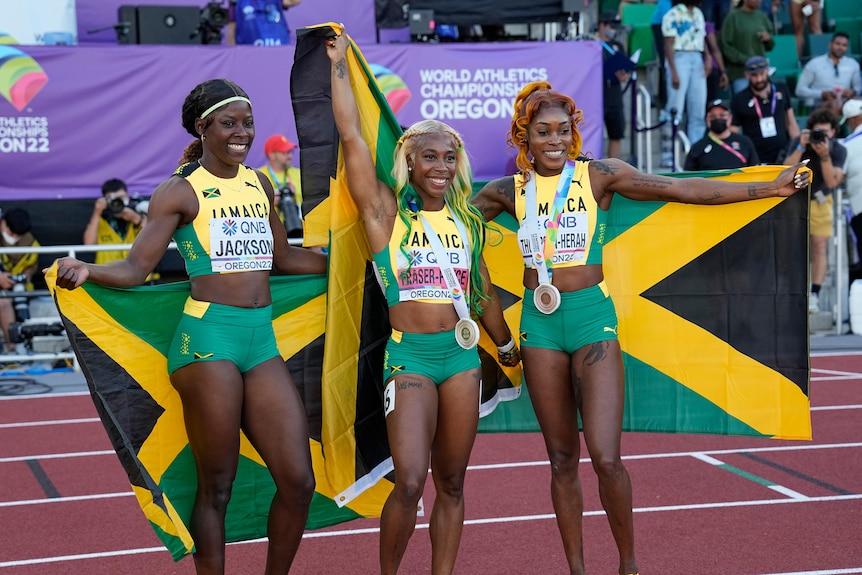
x=426, y=242
x=223, y=361
x=568, y=331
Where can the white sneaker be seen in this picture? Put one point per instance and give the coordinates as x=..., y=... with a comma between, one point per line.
x=813, y=303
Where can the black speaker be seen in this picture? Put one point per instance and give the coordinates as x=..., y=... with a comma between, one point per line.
x=160, y=25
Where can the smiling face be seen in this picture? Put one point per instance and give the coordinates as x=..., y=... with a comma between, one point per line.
x=549, y=138
x=228, y=133
x=433, y=164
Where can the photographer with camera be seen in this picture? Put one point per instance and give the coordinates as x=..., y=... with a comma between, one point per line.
x=17, y=270
x=116, y=219
x=826, y=158
x=286, y=182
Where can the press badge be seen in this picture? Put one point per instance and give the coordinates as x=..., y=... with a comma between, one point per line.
x=767, y=127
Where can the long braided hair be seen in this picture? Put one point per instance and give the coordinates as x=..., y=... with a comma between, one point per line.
x=199, y=100
x=456, y=196
x=532, y=98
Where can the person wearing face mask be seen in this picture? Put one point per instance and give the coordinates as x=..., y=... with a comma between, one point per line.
x=17, y=268
x=721, y=148
x=114, y=221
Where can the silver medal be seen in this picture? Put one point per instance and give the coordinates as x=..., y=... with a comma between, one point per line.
x=467, y=333
x=546, y=298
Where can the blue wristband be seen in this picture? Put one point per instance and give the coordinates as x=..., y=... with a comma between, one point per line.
x=800, y=148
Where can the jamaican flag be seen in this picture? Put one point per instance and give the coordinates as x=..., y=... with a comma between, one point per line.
x=121, y=338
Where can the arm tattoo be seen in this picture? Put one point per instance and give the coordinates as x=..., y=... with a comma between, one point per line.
x=604, y=168
x=341, y=68
x=649, y=183
x=597, y=353
x=752, y=191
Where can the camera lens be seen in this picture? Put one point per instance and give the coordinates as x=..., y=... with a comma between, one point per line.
x=116, y=205
x=818, y=136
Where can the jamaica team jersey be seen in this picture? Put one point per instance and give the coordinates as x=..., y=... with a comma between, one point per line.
x=231, y=232
x=423, y=281
x=581, y=223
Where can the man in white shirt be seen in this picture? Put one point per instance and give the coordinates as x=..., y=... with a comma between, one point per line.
x=852, y=115
x=831, y=79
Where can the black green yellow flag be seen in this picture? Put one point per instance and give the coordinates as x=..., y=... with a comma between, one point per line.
x=121, y=337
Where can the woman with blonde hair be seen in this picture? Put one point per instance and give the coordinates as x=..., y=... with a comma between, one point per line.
x=568, y=333
x=426, y=241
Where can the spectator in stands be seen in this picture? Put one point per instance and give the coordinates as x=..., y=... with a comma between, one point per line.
x=285, y=179
x=715, y=11
x=746, y=32
x=852, y=115
x=114, y=221
x=830, y=79
x=721, y=148
x=800, y=12
x=17, y=269
x=764, y=112
x=826, y=158
x=684, y=31
x=615, y=121
x=661, y=8
x=258, y=22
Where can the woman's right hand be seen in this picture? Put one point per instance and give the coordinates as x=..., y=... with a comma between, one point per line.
x=71, y=272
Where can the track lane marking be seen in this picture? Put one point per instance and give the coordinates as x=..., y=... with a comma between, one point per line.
x=483, y=521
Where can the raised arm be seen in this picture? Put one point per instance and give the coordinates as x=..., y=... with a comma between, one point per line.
x=495, y=197
x=612, y=176
x=375, y=201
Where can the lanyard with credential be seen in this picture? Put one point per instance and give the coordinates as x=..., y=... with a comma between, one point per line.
x=728, y=148
x=466, y=330
x=774, y=102
x=541, y=252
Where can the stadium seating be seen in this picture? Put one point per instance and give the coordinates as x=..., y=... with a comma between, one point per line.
x=637, y=17
x=783, y=58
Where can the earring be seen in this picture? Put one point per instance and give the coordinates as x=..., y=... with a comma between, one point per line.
x=409, y=168
x=203, y=137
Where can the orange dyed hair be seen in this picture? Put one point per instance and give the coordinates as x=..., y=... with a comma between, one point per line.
x=532, y=98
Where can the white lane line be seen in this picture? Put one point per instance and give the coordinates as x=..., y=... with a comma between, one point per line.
x=68, y=499
x=484, y=521
x=49, y=422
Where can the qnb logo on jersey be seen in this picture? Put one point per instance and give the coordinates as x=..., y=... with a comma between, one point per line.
x=415, y=257
x=229, y=227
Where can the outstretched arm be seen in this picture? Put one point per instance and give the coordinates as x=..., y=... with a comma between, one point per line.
x=375, y=201
x=613, y=176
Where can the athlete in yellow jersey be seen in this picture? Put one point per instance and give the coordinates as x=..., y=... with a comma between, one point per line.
x=569, y=325
x=427, y=245
x=223, y=360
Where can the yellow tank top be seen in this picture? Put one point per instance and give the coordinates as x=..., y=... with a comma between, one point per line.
x=581, y=222
x=423, y=281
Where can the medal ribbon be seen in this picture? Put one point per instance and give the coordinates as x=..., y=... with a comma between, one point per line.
x=543, y=253
x=458, y=299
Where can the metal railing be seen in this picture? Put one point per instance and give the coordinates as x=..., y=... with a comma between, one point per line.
x=61, y=250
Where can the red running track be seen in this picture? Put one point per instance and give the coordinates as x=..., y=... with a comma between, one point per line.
x=704, y=505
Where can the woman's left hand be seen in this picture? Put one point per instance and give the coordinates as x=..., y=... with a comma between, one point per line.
x=509, y=358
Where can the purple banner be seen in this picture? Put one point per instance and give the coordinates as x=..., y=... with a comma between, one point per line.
x=93, y=113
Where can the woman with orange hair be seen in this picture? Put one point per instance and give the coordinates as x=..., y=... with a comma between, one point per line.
x=568, y=334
